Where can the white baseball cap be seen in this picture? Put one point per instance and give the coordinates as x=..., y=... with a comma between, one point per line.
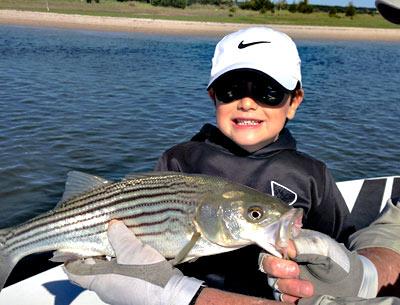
x=389, y=9
x=258, y=48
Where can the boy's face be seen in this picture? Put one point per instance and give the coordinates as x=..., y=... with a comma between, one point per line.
x=252, y=124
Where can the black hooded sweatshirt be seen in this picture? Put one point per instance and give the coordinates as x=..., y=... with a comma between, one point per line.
x=277, y=169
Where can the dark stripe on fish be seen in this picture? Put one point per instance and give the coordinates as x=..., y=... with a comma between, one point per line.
x=115, y=190
x=59, y=230
x=95, y=207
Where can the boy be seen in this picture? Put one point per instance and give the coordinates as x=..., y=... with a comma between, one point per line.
x=256, y=87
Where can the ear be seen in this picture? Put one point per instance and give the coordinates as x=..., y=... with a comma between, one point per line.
x=211, y=94
x=295, y=102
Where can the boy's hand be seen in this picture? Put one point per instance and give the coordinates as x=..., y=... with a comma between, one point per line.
x=321, y=266
x=139, y=275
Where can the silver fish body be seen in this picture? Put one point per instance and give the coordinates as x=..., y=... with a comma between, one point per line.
x=163, y=209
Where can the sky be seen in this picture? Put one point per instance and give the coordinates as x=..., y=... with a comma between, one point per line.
x=356, y=3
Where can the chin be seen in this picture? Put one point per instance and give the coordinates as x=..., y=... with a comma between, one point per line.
x=252, y=146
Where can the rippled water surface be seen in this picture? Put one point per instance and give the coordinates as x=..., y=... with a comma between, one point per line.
x=110, y=103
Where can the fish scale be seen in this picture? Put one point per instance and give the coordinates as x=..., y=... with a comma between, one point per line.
x=95, y=202
x=124, y=206
x=163, y=209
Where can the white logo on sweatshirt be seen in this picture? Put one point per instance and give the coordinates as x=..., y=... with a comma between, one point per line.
x=283, y=193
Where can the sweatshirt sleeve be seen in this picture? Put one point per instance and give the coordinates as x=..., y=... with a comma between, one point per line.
x=384, y=232
x=327, y=207
x=333, y=199
x=162, y=164
x=171, y=160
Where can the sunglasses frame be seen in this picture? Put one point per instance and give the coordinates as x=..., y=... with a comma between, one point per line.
x=242, y=83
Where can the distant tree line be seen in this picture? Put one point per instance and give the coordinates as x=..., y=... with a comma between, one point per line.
x=266, y=5
x=184, y=3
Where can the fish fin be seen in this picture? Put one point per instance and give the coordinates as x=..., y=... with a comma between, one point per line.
x=78, y=183
x=6, y=262
x=66, y=255
x=191, y=260
x=270, y=249
x=149, y=174
x=186, y=249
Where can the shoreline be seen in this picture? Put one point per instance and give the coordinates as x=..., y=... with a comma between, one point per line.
x=192, y=28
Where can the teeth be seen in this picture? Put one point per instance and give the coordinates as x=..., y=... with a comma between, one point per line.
x=247, y=122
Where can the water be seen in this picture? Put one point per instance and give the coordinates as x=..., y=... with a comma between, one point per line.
x=110, y=103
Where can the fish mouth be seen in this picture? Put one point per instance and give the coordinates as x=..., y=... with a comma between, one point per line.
x=289, y=228
x=276, y=236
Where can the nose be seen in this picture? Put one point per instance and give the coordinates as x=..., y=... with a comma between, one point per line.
x=247, y=103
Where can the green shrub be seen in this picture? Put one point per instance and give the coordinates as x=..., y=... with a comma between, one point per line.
x=350, y=10
x=228, y=3
x=293, y=8
x=173, y=3
x=281, y=5
x=332, y=12
x=257, y=5
x=304, y=7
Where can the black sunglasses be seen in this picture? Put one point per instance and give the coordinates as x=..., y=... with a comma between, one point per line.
x=238, y=84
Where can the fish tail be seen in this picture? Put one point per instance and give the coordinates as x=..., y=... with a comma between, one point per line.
x=6, y=261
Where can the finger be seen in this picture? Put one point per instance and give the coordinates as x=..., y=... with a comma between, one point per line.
x=128, y=248
x=278, y=296
x=273, y=283
x=83, y=281
x=291, y=249
x=288, y=298
x=76, y=267
x=295, y=288
x=123, y=241
x=278, y=267
x=285, y=298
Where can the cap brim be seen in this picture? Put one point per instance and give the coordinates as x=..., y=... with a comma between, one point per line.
x=389, y=9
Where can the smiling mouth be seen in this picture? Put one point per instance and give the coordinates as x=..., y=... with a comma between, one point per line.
x=242, y=122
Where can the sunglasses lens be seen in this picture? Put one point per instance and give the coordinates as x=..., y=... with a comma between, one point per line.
x=264, y=90
x=226, y=93
x=269, y=95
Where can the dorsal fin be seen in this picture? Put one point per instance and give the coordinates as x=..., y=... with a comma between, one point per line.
x=78, y=183
x=150, y=174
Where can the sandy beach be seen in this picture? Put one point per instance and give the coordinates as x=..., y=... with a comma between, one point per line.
x=13, y=17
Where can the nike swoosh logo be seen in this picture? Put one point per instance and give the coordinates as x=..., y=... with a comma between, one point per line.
x=245, y=45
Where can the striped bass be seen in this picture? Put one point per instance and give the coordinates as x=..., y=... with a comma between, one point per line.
x=180, y=215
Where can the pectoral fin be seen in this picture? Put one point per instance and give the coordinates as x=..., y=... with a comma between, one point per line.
x=186, y=249
x=66, y=255
x=270, y=248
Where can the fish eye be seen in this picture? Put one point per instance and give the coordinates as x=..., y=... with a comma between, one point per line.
x=255, y=213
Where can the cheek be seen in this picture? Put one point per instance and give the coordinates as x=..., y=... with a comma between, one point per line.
x=222, y=114
x=279, y=115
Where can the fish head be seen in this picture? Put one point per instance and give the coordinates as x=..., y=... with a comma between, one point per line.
x=245, y=217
